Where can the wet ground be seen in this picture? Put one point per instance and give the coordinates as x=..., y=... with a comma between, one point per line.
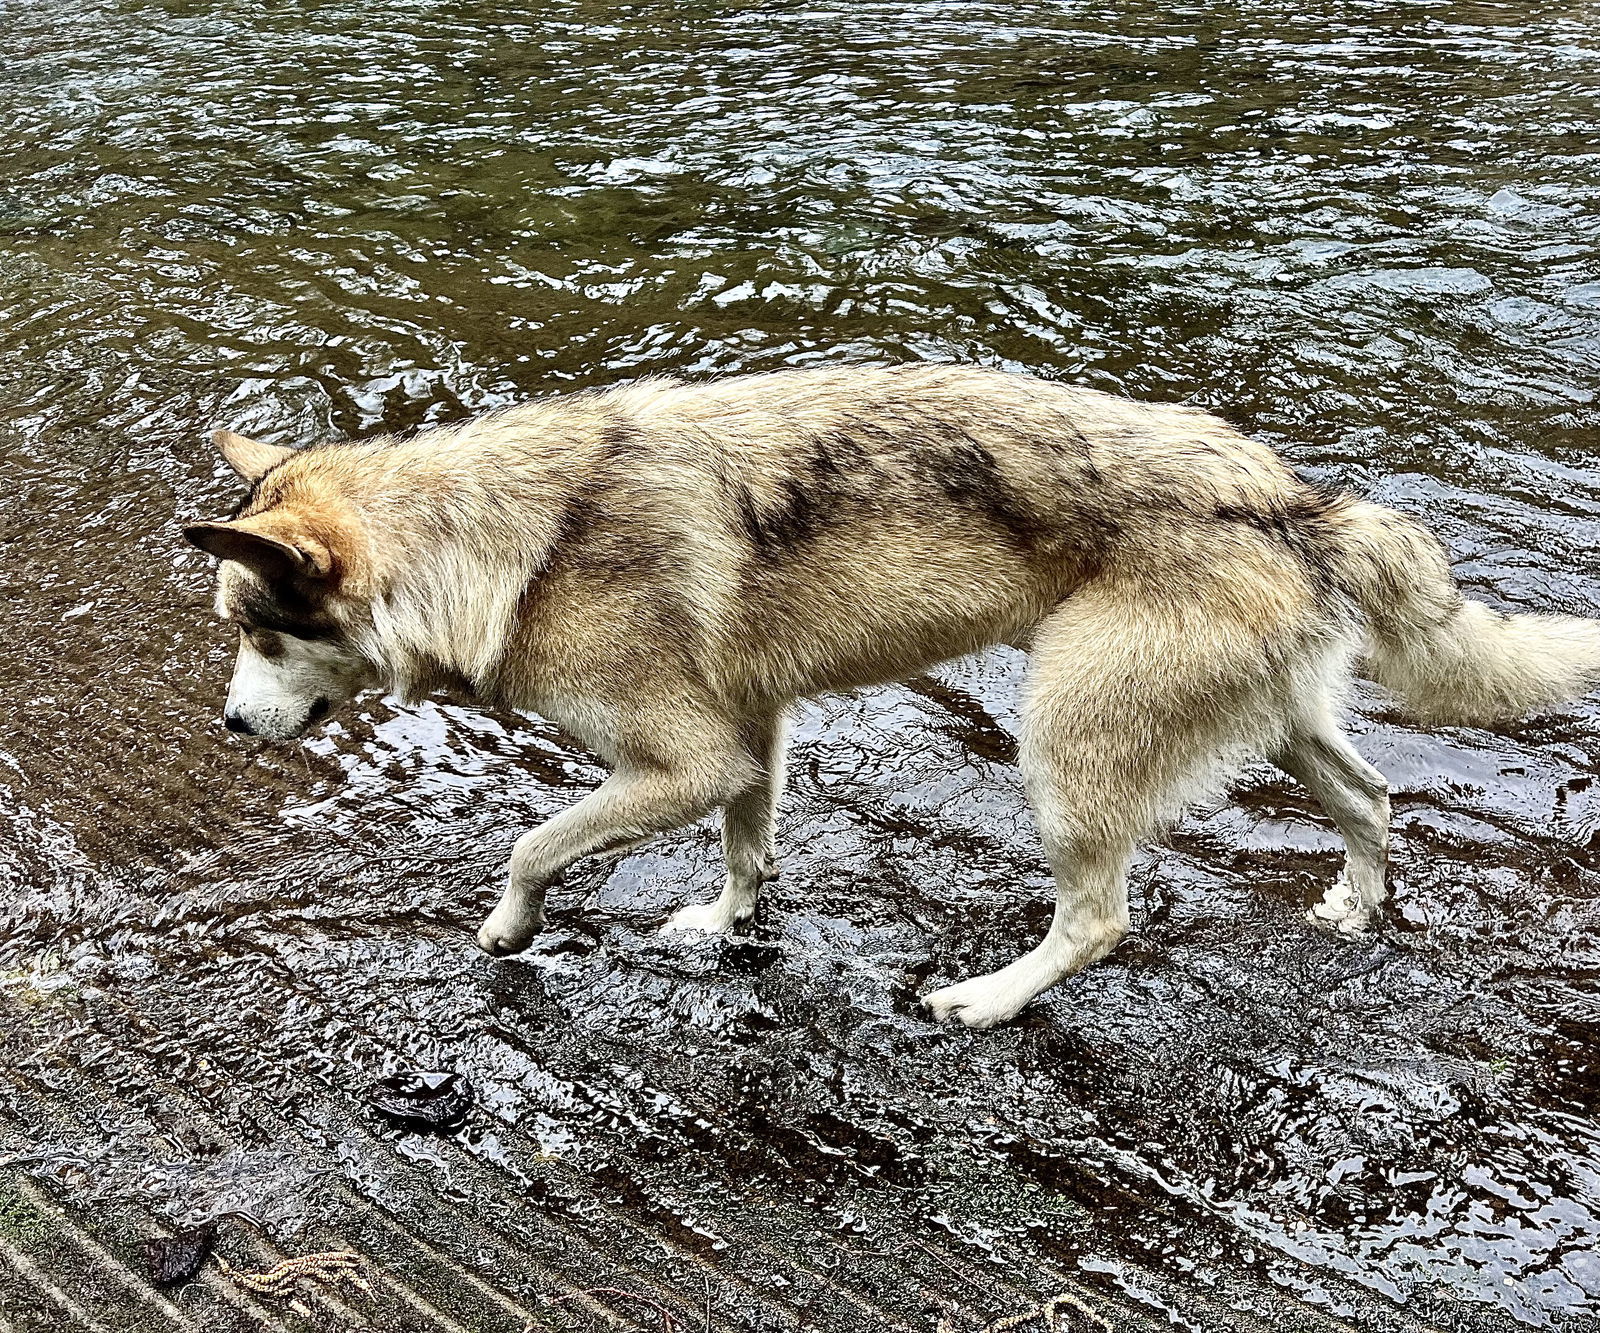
x=1366, y=232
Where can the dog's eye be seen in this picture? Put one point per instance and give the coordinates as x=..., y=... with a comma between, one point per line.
x=269, y=643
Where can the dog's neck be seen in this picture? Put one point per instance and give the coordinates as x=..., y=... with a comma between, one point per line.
x=454, y=546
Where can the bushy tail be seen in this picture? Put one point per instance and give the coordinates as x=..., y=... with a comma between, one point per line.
x=1452, y=661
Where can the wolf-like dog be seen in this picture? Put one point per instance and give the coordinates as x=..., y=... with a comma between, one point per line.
x=664, y=568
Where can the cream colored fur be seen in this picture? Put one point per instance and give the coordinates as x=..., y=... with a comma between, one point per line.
x=664, y=568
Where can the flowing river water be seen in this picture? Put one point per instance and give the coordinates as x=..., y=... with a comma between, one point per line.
x=1366, y=232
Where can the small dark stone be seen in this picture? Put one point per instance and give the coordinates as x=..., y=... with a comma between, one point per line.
x=175, y=1259
x=422, y=1100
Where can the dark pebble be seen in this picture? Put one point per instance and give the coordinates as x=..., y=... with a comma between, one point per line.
x=418, y=1100
x=174, y=1259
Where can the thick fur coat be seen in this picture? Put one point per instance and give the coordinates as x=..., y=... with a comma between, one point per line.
x=664, y=568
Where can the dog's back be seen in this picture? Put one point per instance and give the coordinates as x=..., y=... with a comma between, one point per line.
x=812, y=530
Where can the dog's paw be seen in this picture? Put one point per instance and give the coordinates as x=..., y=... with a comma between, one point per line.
x=1349, y=925
x=982, y=1002
x=1342, y=913
x=712, y=918
x=508, y=932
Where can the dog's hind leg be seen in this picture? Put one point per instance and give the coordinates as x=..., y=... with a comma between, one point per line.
x=691, y=763
x=1128, y=705
x=1356, y=798
x=747, y=835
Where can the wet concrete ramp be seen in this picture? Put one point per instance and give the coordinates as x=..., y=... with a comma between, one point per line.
x=752, y=1134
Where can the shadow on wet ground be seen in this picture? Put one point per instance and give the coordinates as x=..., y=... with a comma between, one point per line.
x=1364, y=232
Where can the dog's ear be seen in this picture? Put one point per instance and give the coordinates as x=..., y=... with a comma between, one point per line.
x=264, y=544
x=251, y=459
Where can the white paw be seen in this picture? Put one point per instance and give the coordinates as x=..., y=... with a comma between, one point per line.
x=712, y=918
x=981, y=1002
x=1342, y=911
x=509, y=930
x=1353, y=927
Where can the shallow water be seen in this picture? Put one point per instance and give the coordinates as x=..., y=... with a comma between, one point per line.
x=1364, y=232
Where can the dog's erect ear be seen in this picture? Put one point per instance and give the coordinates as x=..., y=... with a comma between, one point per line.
x=251, y=459
x=272, y=549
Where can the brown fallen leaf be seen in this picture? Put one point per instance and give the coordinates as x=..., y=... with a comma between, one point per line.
x=288, y=1280
x=1048, y=1312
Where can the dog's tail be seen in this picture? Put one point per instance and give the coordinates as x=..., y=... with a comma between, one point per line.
x=1452, y=661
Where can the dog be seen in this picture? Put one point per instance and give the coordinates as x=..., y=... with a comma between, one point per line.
x=664, y=568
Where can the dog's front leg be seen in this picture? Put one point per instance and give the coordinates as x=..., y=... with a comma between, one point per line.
x=639, y=799
x=747, y=835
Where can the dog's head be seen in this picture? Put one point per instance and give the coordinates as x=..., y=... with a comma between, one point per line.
x=289, y=566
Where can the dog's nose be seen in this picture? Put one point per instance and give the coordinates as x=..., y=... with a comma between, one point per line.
x=236, y=722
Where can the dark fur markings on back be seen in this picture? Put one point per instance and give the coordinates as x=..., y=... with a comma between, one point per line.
x=592, y=538
x=836, y=469
x=779, y=527
x=1301, y=523
x=647, y=566
x=969, y=475
x=617, y=439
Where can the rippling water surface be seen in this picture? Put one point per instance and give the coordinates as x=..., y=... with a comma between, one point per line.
x=1365, y=232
